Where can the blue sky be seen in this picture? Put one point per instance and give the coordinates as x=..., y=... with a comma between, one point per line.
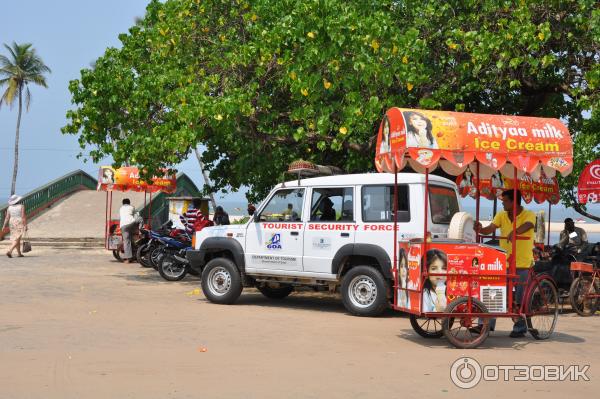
x=69, y=35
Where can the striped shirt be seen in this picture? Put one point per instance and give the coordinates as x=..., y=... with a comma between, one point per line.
x=189, y=218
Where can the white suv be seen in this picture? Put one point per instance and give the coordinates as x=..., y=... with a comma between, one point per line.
x=323, y=232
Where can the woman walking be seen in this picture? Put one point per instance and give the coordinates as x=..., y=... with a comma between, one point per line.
x=17, y=222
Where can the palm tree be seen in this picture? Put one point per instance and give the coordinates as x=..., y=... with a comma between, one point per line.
x=23, y=66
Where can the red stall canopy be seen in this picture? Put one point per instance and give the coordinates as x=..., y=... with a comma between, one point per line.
x=127, y=178
x=454, y=140
x=588, y=188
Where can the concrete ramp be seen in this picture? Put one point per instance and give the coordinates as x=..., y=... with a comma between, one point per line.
x=80, y=215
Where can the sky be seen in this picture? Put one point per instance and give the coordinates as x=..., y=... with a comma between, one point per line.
x=69, y=35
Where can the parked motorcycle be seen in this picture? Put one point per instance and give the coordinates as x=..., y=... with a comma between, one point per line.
x=172, y=263
x=147, y=254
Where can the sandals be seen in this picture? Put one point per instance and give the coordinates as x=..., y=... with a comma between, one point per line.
x=9, y=255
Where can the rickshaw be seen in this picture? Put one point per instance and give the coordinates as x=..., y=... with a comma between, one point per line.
x=128, y=179
x=478, y=280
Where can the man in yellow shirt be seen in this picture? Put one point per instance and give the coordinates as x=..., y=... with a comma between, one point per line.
x=524, y=248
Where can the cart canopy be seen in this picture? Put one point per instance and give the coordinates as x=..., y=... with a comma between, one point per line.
x=127, y=178
x=455, y=140
x=588, y=188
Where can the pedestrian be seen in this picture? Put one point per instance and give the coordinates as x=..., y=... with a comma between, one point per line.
x=16, y=220
x=128, y=223
x=220, y=217
x=189, y=217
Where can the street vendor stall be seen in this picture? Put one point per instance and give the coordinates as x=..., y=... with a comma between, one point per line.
x=474, y=281
x=128, y=179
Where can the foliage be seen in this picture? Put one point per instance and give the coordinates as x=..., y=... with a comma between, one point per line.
x=266, y=82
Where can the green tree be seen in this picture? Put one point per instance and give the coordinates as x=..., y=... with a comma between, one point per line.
x=260, y=84
x=22, y=67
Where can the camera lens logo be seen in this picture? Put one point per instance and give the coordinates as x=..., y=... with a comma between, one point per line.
x=465, y=372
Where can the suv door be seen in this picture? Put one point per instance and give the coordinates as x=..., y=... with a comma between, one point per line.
x=274, y=240
x=331, y=225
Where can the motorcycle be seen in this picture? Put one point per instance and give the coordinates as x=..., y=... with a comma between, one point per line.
x=172, y=262
x=147, y=254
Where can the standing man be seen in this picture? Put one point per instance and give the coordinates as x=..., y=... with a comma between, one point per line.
x=128, y=223
x=524, y=248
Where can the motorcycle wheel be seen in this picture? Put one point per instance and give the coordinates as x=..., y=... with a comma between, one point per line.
x=143, y=255
x=171, y=269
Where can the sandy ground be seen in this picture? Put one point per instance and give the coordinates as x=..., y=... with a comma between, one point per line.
x=77, y=324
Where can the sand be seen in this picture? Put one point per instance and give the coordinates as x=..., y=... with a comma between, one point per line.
x=77, y=324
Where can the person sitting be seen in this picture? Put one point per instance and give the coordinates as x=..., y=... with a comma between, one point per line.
x=327, y=211
x=189, y=217
x=290, y=213
x=221, y=217
x=575, y=237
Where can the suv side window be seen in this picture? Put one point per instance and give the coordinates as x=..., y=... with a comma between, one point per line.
x=443, y=204
x=285, y=205
x=332, y=204
x=378, y=203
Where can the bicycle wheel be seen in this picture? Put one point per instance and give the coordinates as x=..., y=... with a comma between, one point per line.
x=579, y=296
x=426, y=327
x=463, y=331
x=542, y=309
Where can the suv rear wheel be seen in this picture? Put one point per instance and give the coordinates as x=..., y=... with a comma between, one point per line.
x=221, y=281
x=364, y=291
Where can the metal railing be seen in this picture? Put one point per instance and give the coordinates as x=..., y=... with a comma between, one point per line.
x=39, y=199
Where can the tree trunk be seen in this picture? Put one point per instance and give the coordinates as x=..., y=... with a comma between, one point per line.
x=206, y=179
x=16, y=164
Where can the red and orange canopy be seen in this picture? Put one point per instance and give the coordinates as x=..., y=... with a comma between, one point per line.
x=456, y=140
x=588, y=188
x=128, y=179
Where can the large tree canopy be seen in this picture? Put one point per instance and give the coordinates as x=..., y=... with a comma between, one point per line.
x=261, y=83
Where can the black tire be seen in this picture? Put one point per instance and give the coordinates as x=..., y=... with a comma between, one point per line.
x=155, y=256
x=542, y=309
x=459, y=330
x=364, y=291
x=427, y=327
x=221, y=281
x=117, y=255
x=143, y=255
x=171, y=269
x=279, y=292
x=581, y=287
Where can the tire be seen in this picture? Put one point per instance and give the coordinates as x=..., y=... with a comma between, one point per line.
x=542, y=309
x=279, y=292
x=155, y=256
x=580, y=287
x=117, y=255
x=221, y=281
x=171, y=269
x=426, y=327
x=461, y=227
x=364, y=291
x=143, y=255
x=458, y=329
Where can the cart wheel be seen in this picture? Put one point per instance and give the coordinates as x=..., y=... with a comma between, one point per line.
x=461, y=331
x=426, y=327
x=542, y=309
x=579, y=296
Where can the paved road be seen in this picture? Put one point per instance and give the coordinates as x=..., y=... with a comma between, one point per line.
x=77, y=324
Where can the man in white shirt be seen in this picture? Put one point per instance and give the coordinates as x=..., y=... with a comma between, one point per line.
x=128, y=223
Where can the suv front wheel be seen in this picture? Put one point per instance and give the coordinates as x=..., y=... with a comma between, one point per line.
x=221, y=281
x=364, y=291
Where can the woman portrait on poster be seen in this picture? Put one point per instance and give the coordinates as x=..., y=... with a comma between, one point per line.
x=419, y=131
x=108, y=176
x=385, y=137
x=434, y=288
x=404, y=297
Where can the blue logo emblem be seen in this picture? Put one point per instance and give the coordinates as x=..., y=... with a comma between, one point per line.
x=274, y=242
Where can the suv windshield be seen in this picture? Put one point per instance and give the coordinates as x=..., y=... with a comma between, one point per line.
x=443, y=204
